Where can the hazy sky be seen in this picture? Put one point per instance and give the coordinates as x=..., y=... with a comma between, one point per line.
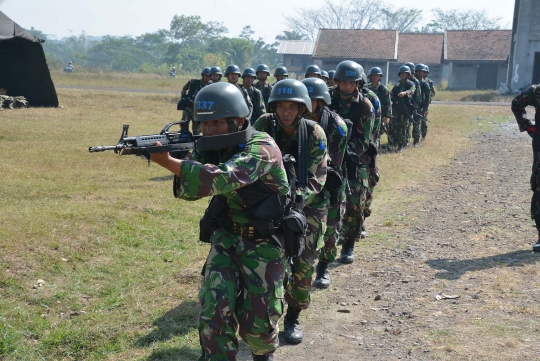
x=135, y=17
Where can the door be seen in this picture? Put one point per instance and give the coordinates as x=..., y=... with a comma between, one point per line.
x=487, y=76
x=536, y=69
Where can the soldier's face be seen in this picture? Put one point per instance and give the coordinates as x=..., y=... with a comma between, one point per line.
x=313, y=75
x=347, y=86
x=215, y=77
x=262, y=75
x=375, y=78
x=233, y=78
x=215, y=127
x=248, y=80
x=281, y=77
x=287, y=112
x=420, y=74
x=404, y=76
x=205, y=78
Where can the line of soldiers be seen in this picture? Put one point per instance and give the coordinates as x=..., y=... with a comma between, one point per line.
x=299, y=181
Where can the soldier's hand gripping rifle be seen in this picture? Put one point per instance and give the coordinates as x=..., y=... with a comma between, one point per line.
x=176, y=143
x=403, y=107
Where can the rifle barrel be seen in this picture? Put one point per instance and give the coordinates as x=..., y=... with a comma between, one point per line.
x=102, y=148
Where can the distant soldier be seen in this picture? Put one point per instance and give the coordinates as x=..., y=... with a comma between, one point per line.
x=335, y=130
x=401, y=108
x=215, y=74
x=423, y=110
x=232, y=73
x=280, y=73
x=242, y=290
x=374, y=75
x=331, y=82
x=306, y=142
x=531, y=96
x=173, y=72
x=263, y=72
x=185, y=104
x=430, y=82
x=248, y=77
x=313, y=71
x=416, y=101
x=324, y=77
x=350, y=103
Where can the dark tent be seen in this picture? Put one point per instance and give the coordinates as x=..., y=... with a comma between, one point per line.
x=23, y=68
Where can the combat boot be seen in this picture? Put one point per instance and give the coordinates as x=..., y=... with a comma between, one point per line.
x=322, y=279
x=536, y=246
x=293, y=332
x=363, y=233
x=347, y=255
x=415, y=144
x=267, y=357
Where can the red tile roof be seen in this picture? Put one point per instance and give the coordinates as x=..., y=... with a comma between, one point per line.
x=493, y=45
x=420, y=48
x=356, y=44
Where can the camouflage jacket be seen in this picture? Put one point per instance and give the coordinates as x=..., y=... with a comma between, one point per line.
x=417, y=94
x=258, y=103
x=247, y=98
x=190, y=90
x=530, y=96
x=431, y=88
x=384, y=98
x=374, y=99
x=426, y=96
x=361, y=113
x=402, y=86
x=266, y=90
x=317, y=152
x=335, y=130
x=212, y=173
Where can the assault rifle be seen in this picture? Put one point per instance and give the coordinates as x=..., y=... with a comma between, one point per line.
x=176, y=143
x=403, y=107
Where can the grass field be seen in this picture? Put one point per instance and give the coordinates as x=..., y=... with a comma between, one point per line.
x=117, y=256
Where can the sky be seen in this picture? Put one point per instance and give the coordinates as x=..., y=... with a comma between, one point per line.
x=135, y=17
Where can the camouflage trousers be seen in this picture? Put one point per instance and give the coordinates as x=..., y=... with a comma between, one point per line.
x=298, y=285
x=415, y=128
x=373, y=179
x=356, y=204
x=242, y=288
x=187, y=117
x=424, y=126
x=336, y=212
x=399, y=128
x=535, y=178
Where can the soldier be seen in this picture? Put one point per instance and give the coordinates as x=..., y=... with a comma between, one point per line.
x=375, y=75
x=189, y=91
x=243, y=274
x=401, y=108
x=248, y=77
x=324, y=77
x=335, y=130
x=531, y=96
x=312, y=71
x=215, y=74
x=306, y=142
x=263, y=72
x=331, y=82
x=416, y=101
x=431, y=83
x=232, y=73
x=350, y=103
x=280, y=73
x=423, y=110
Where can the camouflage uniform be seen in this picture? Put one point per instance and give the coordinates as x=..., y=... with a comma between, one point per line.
x=258, y=103
x=416, y=99
x=361, y=112
x=243, y=277
x=384, y=98
x=298, y=288
x=374, y=175
x=424, y=106
x=336, y=135
x=399, y=121
x=190, y=90
x=531, y=96
x=266, y=89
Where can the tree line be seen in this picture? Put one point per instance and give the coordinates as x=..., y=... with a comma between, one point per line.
x=190, y=43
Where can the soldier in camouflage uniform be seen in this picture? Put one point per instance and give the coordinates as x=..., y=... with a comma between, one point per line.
x=313, y=71
x=335, y=130
x=531, y=96
x=215, y=74
x=325, y=77
x=375, y=74
x=430, y=82
x=280, y=73
x=423, y=110
x=288, y=102
x=350, y=103
x=401, y=106
x=248, y=77
x=232, y=73
x=331, y=82
x=263, y=72
x=416, y=101
x=189, y=91
x=243, y=275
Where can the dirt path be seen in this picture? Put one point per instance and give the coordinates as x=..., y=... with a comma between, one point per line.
x=471, y=239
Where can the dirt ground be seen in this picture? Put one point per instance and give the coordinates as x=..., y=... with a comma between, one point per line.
x=457, y=279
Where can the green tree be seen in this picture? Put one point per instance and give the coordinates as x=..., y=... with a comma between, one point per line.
x=401, y=19
x=461, y=19
x=290, y=35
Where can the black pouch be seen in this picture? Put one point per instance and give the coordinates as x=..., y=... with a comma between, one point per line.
x=184, y=103
x=210, y=221
x=294, y=227
x=333, y=184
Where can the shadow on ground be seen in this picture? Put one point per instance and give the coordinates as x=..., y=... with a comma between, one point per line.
x=454, y=269
x=175, y=354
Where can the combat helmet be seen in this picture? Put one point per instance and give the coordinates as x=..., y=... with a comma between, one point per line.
x=331, y=74
x=281, y=70
x=349, y=70
x=215, y=70
x=375, y=71
x=249, y=72
x=324, y=74
x=420, y=67
x=313, y=69
x=232, y=69
x=217, y=101
x=404, y=69
x=410, y=65
x=206, y=71
x=289, y=90
x=263, y=67
x=427, y=69
x=317, y=89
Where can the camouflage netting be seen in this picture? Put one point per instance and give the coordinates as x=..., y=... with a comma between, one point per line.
x=8, y=102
